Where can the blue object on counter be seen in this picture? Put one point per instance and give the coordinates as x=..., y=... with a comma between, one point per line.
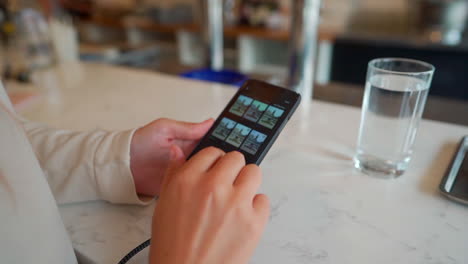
x=224, y=76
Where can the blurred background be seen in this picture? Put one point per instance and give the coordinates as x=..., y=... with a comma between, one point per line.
x=166, y=36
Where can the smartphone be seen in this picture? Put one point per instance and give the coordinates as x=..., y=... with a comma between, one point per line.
x=252, y=120
x=455, y=183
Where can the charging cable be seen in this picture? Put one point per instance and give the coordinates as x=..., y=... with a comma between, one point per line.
x=135, y=251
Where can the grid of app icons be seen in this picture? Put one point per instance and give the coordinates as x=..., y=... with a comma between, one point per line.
x=253, y=142
x=241, y=105
x=244, y=137
x=255, y=111
x=224, y=128
x=238, y=135
x=271, y=117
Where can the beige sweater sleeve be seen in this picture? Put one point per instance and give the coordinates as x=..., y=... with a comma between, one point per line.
x=83, y=166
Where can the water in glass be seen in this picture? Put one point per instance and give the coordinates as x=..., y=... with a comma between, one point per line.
x=392, y=107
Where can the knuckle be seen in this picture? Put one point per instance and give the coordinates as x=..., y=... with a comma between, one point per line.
x=251, y=175
x=213, y=151
x=237, y=155
x=253, y=170
x=160, y=122
x=161, y=125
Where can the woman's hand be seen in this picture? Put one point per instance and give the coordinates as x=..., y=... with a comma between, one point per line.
x=209, y=211
x=149, y=151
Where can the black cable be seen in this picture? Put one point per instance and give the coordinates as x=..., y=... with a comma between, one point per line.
x=135, y=251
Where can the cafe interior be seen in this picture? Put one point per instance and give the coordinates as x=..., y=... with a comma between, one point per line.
x=369, y=166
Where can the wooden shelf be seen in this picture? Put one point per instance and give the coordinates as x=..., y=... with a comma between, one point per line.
x=161, y=28
x=265, y=33
x=230, y=31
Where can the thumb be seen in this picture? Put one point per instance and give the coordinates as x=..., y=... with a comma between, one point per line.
x=177, y=158
x=190, y=131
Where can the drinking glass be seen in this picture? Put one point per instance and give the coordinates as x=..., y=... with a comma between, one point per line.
x=395, y=95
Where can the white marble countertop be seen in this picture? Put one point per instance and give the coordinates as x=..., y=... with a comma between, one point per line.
x=323, y=211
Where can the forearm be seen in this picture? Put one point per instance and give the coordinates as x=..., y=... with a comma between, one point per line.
x=82, y=166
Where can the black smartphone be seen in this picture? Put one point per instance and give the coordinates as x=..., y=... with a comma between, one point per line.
x=455, y=183
x=252, y=120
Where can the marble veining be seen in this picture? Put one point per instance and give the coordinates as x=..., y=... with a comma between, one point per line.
x=323, y=211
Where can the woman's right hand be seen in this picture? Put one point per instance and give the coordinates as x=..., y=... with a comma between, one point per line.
x=209, y=211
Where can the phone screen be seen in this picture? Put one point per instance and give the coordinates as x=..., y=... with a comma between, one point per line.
x=252, y=120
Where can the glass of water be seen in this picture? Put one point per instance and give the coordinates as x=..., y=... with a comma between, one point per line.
x=394, y=99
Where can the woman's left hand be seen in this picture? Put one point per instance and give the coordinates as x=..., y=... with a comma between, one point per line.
x=150, y=146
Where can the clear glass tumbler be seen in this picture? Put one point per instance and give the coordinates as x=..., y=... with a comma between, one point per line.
x=395, y=95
